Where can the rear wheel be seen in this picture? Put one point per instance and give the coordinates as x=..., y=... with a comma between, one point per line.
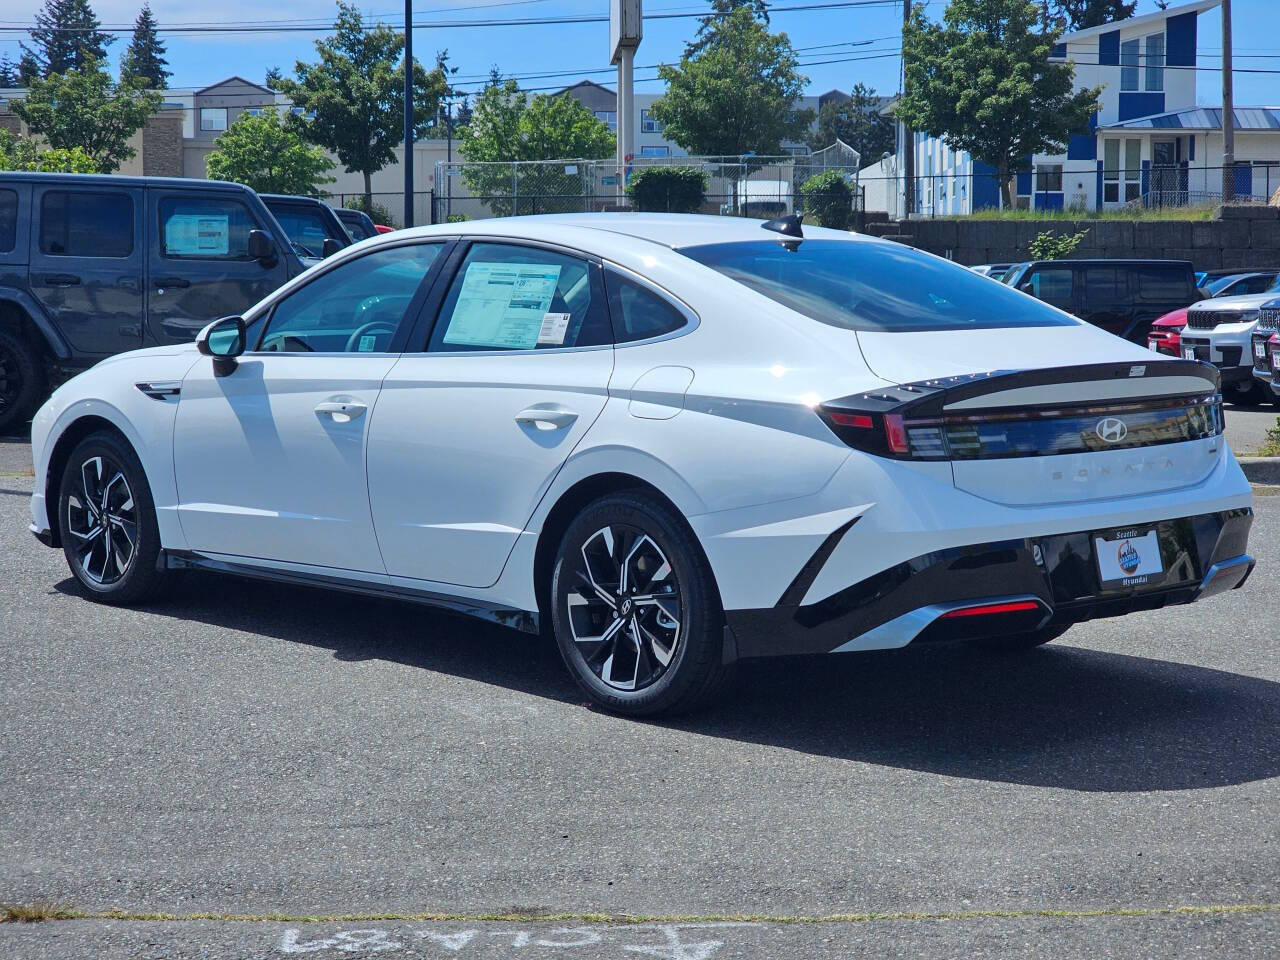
x=1021, y=641
x=21, y=380
x=635, y=608
x=108, y=522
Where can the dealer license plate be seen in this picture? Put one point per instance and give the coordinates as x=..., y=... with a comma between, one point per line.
x=1128, y=558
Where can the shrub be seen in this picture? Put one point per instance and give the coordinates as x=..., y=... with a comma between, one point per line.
x=456, y=218
x=376, y=211
x=1051, y=246
x=667, y=189
x=828, y=198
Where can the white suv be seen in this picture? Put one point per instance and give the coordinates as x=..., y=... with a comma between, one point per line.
x=1220, y=331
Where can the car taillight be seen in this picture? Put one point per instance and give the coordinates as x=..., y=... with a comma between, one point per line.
x=992, y=609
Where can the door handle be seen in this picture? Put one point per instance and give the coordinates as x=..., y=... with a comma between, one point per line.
x=62, y=280
x=340, y=412
x=547, y=418
x=162, y=282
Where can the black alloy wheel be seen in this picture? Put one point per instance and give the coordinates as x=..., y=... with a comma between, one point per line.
x=635, y=609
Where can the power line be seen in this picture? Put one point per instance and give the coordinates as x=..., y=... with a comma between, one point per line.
x=245, y=27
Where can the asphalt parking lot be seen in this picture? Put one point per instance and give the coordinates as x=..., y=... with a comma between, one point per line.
x=246, y=750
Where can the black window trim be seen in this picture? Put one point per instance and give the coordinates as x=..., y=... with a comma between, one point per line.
x=412, y=313
x=691, y=319
x=162, y=194
x=135, y=195
x=422, y=338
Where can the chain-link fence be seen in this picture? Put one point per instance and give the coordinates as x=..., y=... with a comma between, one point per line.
x=751, y=186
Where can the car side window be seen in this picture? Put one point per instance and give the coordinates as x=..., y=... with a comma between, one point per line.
x=203, y=228
x=1105, y=287
x=75, y=224
x=305, y=227
x=1164, y=284
x=8, y=220
x=357, y=307
x=638, y=313
x=1052, y=285
x=511, y=297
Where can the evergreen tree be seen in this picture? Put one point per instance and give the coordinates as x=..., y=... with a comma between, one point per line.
x=8, y=72
x=28, y=69
x=707, y=26
x=65, y=37
x=144, y=60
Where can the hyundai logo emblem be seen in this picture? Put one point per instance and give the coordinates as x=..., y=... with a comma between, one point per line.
x=1111, y=430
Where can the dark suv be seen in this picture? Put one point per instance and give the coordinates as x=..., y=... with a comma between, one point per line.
x=95, y=265
x=313, y=227
x=1120, y=296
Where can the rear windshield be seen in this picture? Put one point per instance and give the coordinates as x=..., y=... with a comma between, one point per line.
x=874, y=286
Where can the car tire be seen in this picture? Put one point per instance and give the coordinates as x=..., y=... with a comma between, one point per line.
x=1021, y=641
x=648, y=641
x=1249, y=395
x=107, y=522
x=21, y=380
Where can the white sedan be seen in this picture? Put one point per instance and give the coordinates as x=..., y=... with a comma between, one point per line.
x=670, y=441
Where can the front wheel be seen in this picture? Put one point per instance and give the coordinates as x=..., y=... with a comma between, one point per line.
x=635, y=608
x=21, y=380
x=108, y=521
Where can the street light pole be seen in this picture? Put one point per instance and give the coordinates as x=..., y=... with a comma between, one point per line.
x=908, y=138
x=408, y=113
x=1228, y=111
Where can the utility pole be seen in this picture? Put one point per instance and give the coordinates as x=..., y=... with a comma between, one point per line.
x=1228, y=111
x=408, y=113
x=908, y=136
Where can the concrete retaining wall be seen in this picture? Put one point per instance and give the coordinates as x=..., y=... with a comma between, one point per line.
x=1240, y=236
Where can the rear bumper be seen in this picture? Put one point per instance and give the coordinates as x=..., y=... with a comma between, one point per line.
x=909, y=602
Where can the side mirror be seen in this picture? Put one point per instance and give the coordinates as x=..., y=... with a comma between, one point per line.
x=223, y=339
x=260, y=246
x=329, y=247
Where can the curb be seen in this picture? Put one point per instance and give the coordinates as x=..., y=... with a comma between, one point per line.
x=1261, y=469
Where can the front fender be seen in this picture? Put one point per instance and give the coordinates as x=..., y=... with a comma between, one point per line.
x=42, y=323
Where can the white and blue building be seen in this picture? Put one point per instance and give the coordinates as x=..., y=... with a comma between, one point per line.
x=1150, y=140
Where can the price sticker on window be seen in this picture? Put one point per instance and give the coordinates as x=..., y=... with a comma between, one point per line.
x=554, y=327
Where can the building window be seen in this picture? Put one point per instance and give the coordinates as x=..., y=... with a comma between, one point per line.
x=305, y=115
x=1111, y=171
x=1155, y=62
x=655, y=151
x=610, y=117
x=213, y=118
x=254, y=111
x=1048, y=178
x=648, y=124
x=1130, y=53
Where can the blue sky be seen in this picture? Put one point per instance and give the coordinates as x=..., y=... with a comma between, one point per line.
x=818, y=35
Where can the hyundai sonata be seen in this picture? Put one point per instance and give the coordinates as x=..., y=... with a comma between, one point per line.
x=669, y=441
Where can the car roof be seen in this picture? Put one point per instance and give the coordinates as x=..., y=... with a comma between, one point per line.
x=293, y=198
x=1109, y=262
x=115, y=180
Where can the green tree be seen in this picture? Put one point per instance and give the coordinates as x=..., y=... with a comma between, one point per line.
x=1080, y=14
x=9, y=76
x=1048, y=245
x=735, y=95
x=829, y=198
x=145, y=57
x=268, y=155
x=509, y=125
x=707, y=35
x=66, y=37
x=982, y=80
x=83, y=108
x=857, y=122
x=22, y=153
x=354, y=95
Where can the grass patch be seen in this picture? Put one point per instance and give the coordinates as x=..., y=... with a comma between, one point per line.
x=1160, y=213
x=1271, y=445
x=34, y=913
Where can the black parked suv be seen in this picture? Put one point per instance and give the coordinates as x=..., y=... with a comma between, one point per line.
x=313, y=227
x=1120, y=296
x=95, y=265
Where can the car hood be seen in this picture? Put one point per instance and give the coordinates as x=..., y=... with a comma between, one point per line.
x=1174, y=318
x=1235, y=304
x=908, y=357
x=167, y=350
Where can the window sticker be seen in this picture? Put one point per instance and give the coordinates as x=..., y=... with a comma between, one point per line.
x=367, y=343
x=197, y=235
x=503, y=305
x=554, y=327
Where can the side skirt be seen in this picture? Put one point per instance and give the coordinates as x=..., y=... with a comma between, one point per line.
x=522, y=620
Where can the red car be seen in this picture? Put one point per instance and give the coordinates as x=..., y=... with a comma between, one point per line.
x=1165, y=335
x=383, y=228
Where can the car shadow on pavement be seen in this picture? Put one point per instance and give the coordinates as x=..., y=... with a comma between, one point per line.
x=1057, y=716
